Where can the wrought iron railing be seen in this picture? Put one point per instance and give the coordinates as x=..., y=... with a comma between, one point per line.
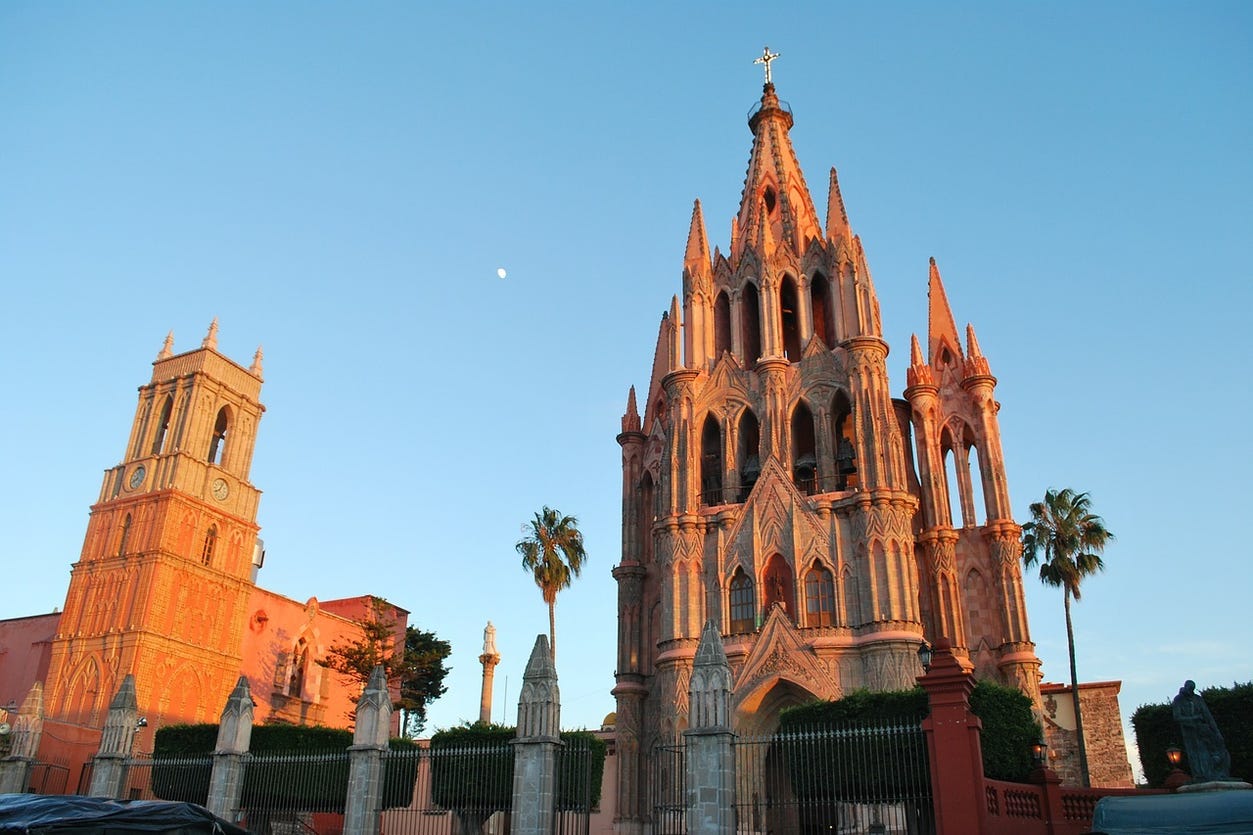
x=293, y=792
x=832, y=780
x=432, y=791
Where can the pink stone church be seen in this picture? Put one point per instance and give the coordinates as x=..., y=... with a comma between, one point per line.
x=773, y=484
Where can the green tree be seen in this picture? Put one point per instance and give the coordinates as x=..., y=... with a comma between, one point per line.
x=416, y=666
x=421, y=677
x=1066, y=538
x=553, y=552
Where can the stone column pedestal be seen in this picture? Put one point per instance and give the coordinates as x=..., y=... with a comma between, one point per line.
x=365, y=756
x=226, y=783
x=535, y=747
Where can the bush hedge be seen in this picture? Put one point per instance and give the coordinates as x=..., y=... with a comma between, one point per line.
x=1232, y=709
x=480, y=775
x=1009, y=729
x=290, y=785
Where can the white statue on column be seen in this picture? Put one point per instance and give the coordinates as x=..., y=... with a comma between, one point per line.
x=489, y=659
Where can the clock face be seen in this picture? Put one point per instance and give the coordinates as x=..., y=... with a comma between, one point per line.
x=220, y=490
x=137, y=476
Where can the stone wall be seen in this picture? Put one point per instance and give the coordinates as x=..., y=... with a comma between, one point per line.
x=1108, y=766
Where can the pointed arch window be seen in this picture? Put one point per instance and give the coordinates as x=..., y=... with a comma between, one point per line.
x=779, y=587
x=820, y=305
x=163, y=426
x=124, y=539
x=749, y=453
x=743, y=609
x=769, y=199
x=978, y=499
x=217, y=445
x=711, y=463
x=647, y=515
x=722, y=324
x=210, y=544
x=804, y=455
x=842, y=442
x=819, y=597
x=300, y=660
x=789, y=313
x=750, y=324
x=952, y=488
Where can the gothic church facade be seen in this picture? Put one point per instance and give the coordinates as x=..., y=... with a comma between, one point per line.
x=772, y=484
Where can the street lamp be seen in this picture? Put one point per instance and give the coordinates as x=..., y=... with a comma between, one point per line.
x=1039, y=751
x=1177, y=776
x=924, y=655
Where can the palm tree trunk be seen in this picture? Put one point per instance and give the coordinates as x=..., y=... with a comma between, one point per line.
x=552, y=629
x=1074, y=693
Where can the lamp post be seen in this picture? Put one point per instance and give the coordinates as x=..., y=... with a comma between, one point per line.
x=924, y=655
x=1177, y=776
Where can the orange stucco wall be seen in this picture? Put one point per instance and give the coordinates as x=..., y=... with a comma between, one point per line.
x=284, y=689
x=25, y=647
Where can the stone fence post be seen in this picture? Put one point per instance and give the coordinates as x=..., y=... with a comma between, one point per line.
x=108, y=772
x=953, y=744
x=16, y=767
x=365, y=772
x=710, y=755
x=234, y=737
x=536, y=744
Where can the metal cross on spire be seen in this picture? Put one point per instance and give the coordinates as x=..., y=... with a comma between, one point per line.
x=766, y=57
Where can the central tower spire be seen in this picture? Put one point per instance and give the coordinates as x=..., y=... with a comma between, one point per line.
x=775, y=195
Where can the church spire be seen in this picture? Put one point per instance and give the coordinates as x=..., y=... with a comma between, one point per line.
x=631, y=418
x=211, y=338
x=696, y=258
x=972, y=344
x=837, y=217
x=941, y=329
x=774, y=193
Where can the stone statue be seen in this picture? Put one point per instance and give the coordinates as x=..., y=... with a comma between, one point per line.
x=489, y=639
x=1207, y=753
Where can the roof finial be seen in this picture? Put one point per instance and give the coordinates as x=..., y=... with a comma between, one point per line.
x=255, y=370
x=211, y=338
x=766, y=57
x=167, y=350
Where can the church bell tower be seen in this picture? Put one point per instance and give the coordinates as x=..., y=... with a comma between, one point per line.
x=161, y=587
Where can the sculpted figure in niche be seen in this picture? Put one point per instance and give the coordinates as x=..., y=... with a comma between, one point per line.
x=1207, y=753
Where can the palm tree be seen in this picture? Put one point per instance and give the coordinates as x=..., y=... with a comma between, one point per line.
x=553, y=552
x=1067, y=539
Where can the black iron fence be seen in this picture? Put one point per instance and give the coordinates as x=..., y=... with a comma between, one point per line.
x=47, y=778
x=443, y=791
x=469, y=789
x=834, y=780
x=575, y=784
x=294, y=793
x=667, y=780
x=840, y=779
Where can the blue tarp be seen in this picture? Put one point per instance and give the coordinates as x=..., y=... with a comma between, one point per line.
x=37, y=814
x=1187, y=813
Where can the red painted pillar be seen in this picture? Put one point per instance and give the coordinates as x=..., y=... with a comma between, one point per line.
x=953, y=744
x=1054, y=812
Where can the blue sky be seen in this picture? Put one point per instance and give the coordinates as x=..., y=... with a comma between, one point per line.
x=341, y=182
